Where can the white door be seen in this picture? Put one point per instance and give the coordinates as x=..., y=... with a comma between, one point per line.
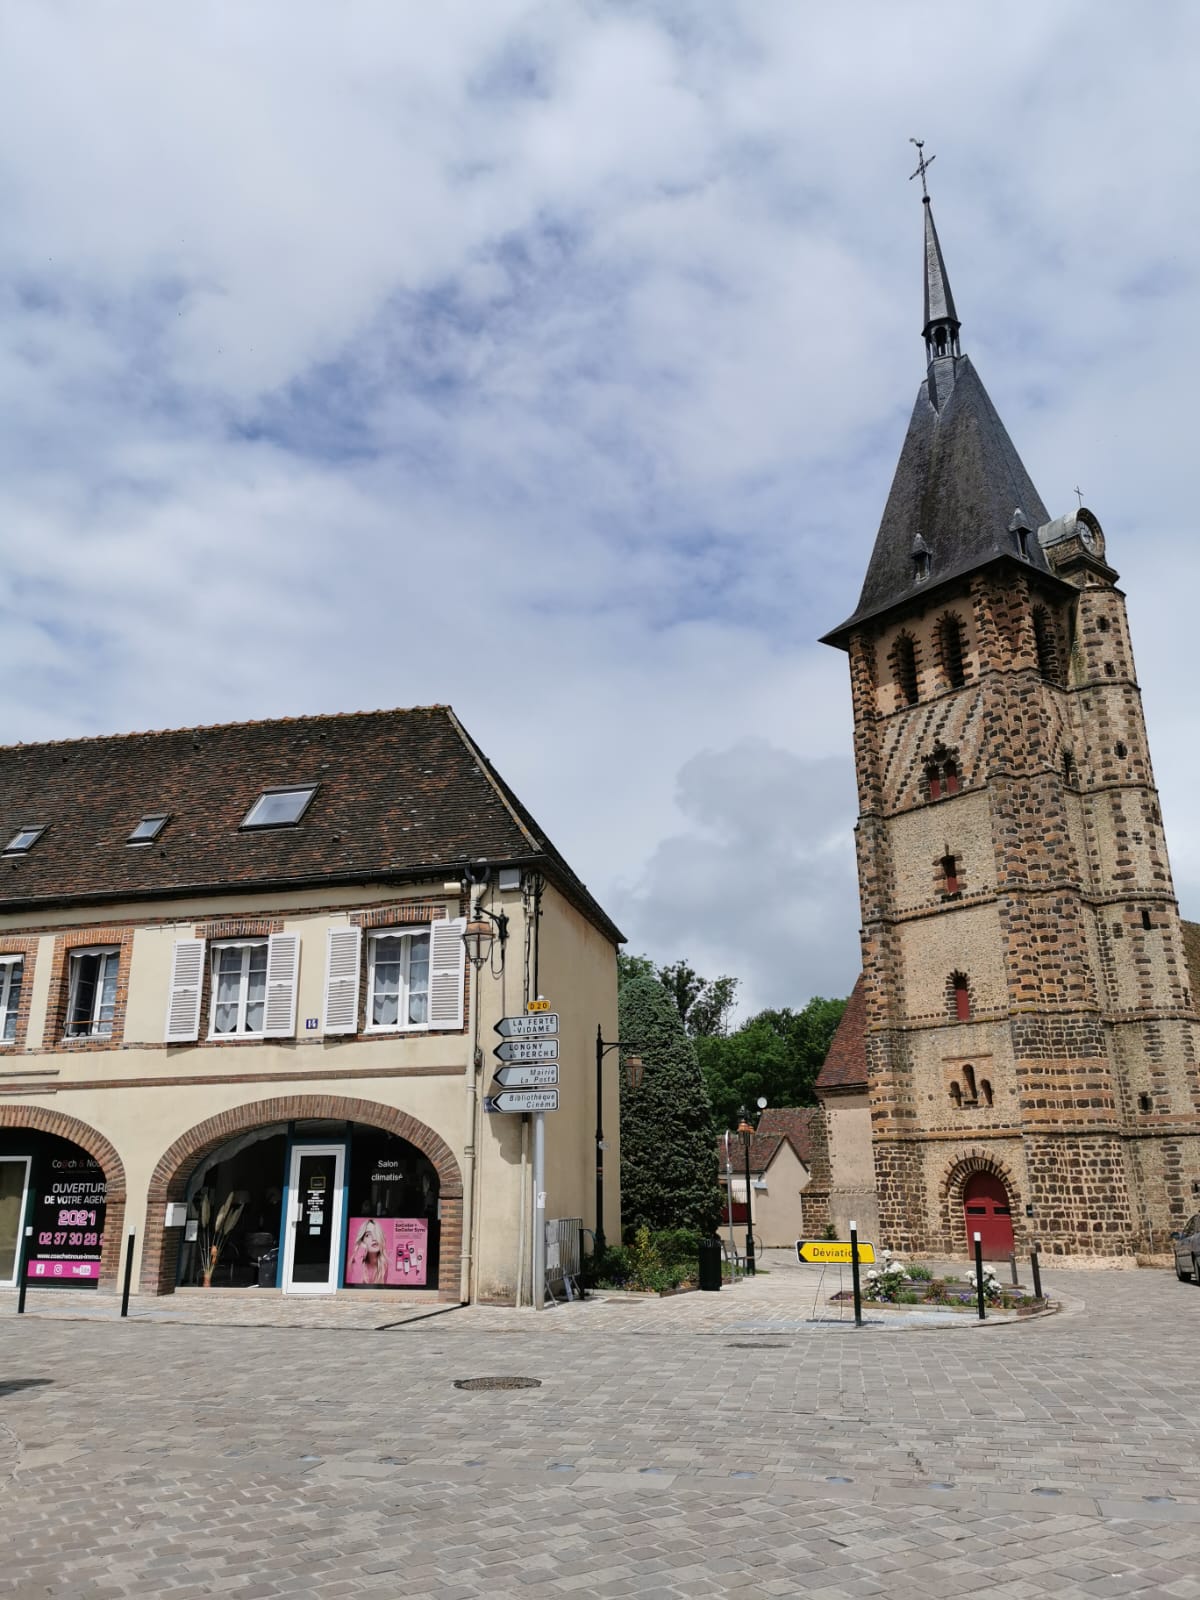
x=312, y=1247
x=14, y=1181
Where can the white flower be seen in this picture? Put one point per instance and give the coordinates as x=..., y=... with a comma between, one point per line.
x=872, y=1273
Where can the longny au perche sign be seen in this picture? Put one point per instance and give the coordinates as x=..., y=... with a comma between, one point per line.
x=527, y=1050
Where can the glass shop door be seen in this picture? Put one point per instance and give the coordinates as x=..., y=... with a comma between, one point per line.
x=312, y=1237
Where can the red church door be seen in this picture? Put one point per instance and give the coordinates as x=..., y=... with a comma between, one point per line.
x=985, y=1202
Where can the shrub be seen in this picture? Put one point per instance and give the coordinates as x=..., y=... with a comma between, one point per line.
x=991, y=1287
x=678, y=1247
x=885, y=1283
x=640, y=1265
x=906, y=1297
x=830, y=1231
x=937, y=1294
x=920, y=1274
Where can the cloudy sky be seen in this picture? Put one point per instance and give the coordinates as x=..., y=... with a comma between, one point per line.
x=552, y=360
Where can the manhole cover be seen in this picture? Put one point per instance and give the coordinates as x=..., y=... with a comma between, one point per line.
x=497, y=1383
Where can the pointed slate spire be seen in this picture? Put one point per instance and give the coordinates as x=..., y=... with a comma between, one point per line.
x=941, y=319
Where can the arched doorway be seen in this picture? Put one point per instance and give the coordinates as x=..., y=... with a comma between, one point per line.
x=987, y=1211
x=338, y=1177
x=64, y=1180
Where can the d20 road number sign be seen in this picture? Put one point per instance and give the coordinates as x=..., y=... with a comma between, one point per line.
x=526, y=1050
x=534, y=1075
x=833, y=1252
x=537, y=1026
x=522, y=1100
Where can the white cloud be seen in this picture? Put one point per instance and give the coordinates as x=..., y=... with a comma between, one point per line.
x=552, y=360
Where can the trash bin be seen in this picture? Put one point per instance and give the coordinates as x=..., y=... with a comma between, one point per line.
x=268, y=1266
x=710, y=1263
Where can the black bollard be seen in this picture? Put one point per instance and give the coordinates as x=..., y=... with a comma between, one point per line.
x=854, y=1274
x=23, y=1269
x=1012, y=1267
x=128, y=1273
x=979, y=1275
x=1037, y=1276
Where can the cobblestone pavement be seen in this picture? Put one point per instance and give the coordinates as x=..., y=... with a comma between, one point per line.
x=695, y=1446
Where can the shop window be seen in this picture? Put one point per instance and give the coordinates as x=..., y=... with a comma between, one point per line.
x=239, y=990
x=91, y=992
x=12, y=970
x=906, y=668
x=398, y=980
x=950, y=874
x=953, y=651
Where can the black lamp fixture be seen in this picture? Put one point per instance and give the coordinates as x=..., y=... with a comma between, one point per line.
x=479, y=934
x=746, y=1129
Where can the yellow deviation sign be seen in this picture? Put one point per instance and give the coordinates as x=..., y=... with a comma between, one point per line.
x=835, y=1252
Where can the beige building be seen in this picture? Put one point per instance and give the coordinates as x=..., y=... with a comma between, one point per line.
x=233, y=979
x=780, y=1172
x=1027, y=1018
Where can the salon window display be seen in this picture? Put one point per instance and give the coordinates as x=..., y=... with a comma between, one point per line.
x=391, y=1238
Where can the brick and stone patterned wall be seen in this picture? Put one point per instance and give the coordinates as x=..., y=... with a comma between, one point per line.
x=1082, y=1020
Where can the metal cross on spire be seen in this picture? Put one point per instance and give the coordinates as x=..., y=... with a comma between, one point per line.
x=1078, y=492
x=922, y=165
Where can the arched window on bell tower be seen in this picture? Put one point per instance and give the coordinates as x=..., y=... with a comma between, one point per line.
x=906, y=669
x=1045, y=644
x=950, y=634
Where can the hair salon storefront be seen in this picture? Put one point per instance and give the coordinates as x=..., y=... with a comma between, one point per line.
x=311, y=1207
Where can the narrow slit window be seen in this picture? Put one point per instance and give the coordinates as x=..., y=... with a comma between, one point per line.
x=950, y=874
x=969, y=1080
x=956, y=1095
x=962, y=999
x=1044, y=644
x=906, y=668
x=985, y=1091
x=953, y=653
x=950, y=772
x=1146, y=923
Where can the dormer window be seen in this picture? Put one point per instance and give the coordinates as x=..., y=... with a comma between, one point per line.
x=920, y=559
x=279, y=808
x=148, y=828
x=24, y=840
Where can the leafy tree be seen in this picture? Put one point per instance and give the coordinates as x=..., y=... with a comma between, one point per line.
x=776, y=1053
x=704, y=1004
x=668, y=1153
x=632, y=967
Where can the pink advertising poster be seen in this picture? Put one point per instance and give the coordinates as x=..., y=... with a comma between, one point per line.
x=387, y=1252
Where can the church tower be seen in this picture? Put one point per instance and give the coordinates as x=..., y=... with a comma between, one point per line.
x=1030, y=1029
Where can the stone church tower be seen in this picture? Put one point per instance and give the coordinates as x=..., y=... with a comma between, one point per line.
x=1030, y=1033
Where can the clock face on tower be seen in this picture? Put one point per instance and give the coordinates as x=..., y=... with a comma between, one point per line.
x=1087, y=539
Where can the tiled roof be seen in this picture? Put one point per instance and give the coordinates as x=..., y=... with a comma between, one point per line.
x=777, y=1124
x=401, y=794
x=845, y=1065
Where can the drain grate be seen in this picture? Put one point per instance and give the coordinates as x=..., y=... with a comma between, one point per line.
x=497, y=1383
x=746, y=1344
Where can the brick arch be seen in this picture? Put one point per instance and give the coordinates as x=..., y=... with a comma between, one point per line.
x=170, y=1177
x=43, y=1120
x=950, y=1196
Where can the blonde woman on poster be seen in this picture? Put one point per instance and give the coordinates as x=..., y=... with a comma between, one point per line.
x=370, y=1248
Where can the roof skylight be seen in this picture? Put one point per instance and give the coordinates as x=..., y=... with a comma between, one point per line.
x=148, y=828
x=24, y=839
x=279, y=808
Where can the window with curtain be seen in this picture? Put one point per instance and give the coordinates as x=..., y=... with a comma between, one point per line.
x=12, y=969
x=239, y=988
x=92, y=993
x=398, y=980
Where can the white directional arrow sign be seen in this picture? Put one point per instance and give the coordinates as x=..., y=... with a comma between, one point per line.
x=522, y=1100
x=536, y=1026
x=527, y=1050
x=538, y=1074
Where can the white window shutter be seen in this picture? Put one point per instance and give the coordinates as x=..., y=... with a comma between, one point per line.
x=187, y=980
x=283, y=963
x=342, y=967
x=447, y=960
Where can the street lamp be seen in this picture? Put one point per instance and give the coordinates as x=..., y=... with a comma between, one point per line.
x=746, y=1129
x=634, y=1069
x=478, y=934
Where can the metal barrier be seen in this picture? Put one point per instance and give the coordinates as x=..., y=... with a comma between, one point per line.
x=564, y=1257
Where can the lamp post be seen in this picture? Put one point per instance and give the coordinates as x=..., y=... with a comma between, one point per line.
x=746, y=1129
x=634, y=1068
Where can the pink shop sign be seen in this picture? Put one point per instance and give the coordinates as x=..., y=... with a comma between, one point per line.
x=387, y=1252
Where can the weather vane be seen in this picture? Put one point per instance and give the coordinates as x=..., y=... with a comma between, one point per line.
x=922, y=165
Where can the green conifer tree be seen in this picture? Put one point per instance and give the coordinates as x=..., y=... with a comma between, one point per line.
x=668, y=1149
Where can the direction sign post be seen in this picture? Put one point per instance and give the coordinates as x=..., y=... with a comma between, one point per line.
x=533, y=1075
x=526, y=1050
x=535, y=1027
x=522, y=1100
